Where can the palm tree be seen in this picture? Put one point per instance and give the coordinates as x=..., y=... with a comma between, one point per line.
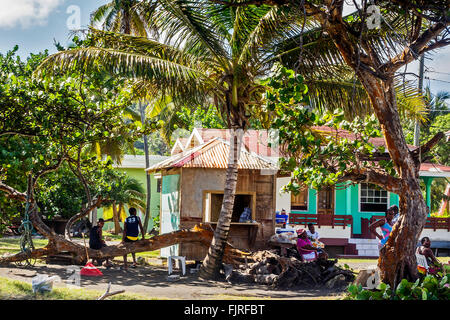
x=122, y=16
x=128, y=17
x=436, y=104
x=126, y=191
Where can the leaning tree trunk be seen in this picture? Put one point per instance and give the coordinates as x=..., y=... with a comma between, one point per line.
x=213, y=260
x=397, y=258
x=199, y=234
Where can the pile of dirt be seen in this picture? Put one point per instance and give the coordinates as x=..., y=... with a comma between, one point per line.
x=279, y=272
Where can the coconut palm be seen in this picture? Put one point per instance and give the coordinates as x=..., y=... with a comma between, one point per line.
x=436, y=103
x=128, y=17
x=122, y=16
x=126, y=192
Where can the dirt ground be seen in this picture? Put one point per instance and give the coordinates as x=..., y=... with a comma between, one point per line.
x=152, y=282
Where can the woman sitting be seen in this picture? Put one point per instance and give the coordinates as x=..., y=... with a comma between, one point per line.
x=305, y=248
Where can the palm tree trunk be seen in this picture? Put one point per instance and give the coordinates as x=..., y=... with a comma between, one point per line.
x=147, y=164
x=213, y=261
x=117, y=228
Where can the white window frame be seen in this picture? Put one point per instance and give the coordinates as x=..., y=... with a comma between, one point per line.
x=359, y=199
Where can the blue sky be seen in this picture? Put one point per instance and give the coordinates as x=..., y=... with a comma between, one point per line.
x=34, y=24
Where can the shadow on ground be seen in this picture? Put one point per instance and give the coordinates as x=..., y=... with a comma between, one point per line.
x=152, y=282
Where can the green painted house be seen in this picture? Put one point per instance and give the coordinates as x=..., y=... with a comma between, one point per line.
x=342, y=214
x=134, y=166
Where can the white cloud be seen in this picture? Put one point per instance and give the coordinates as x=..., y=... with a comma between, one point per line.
x=26, y=13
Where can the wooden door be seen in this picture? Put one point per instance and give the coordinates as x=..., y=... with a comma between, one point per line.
x=325, y=201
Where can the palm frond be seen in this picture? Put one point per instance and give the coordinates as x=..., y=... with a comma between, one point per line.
x=101, y=12
x=167, y=75
x=185, y=25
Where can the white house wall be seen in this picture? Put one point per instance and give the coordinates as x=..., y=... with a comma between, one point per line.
x=330, y=232
x=283, y=200
x=438, y=235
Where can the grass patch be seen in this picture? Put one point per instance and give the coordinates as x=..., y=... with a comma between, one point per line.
x=12, y=245
x=19, y=290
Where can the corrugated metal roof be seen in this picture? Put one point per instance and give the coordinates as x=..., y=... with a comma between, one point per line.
x=214, y=154
x=138, y=161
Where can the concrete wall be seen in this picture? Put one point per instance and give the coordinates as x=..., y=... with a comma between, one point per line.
x=438, y=235
x=283, y=199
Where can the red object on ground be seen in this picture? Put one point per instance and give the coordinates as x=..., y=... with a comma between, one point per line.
x=90, y=270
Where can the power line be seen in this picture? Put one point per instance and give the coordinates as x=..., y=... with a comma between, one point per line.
x=428, y=78
x=438, y=72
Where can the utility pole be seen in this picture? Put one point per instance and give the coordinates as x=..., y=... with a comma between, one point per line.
x=417, y=125
x=147, y=164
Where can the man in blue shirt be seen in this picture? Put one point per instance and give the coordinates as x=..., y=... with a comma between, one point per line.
x=131, y=228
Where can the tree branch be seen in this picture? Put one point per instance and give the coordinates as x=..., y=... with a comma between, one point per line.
x=418, y=47
x=48, y=169
x=13, y=193
x=387, y=182
x=425, y=148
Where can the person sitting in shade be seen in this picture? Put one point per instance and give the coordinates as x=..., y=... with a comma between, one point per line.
x=313, y=235
x=305, y=248
x=386, y=227
x=96, y=241
x=424, y=249
x=246, y=215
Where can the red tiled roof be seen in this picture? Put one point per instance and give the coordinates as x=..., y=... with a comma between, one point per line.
x=256, y=141
x=377, y=142
x=433, y=167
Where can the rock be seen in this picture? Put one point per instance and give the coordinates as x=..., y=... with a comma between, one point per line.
x=265, y=278
x=336, y=282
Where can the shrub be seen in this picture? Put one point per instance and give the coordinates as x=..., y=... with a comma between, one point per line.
x=426, y=288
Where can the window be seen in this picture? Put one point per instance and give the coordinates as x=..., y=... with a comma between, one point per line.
x=300, y=201
x=373, y=198
x=213, y=204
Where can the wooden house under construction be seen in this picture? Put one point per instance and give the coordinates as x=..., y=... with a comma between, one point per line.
x=192, y=188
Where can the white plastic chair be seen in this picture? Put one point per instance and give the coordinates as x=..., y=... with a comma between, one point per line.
x=421, y=261
x=180, y=259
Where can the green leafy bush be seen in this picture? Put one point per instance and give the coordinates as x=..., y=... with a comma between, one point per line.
x=426, y=288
